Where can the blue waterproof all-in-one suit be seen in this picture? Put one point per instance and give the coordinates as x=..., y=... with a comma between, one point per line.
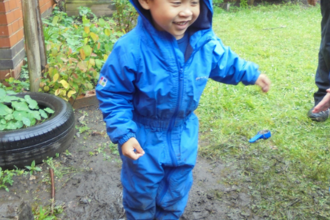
x=149, y=89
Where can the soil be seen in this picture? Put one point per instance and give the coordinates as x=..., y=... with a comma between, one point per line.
x=87, y=181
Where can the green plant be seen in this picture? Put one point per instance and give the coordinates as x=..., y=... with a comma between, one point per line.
x=16, y=112
x=217, y=2
x=33, y=168
x=43, y=214
x=243, y=3
x=125, y=15
x=67, y=152
x=84, y=127
x=19, y=85
x=6, y=177
x=86, y=12
x=76, y=52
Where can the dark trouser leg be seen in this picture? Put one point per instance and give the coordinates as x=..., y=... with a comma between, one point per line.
x=322, y=73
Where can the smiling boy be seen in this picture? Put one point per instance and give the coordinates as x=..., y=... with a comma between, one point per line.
x=149, y=88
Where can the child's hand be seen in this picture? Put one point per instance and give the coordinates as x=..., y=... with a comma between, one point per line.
x=263, y=82
x=132, y=149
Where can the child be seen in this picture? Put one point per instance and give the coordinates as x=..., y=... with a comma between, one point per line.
x=148, y=90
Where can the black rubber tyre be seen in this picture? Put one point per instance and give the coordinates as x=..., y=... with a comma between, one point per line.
x=20, y=147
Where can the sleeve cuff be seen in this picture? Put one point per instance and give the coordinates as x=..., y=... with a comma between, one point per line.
x=126, y=138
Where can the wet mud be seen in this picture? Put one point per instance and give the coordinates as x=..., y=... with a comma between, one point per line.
x=87, y=181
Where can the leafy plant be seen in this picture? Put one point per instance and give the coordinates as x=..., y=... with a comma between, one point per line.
x=19, y=85
x=43, y=214
x=33, y=168
x=243, y=3
x=67, y=152
x=16, y=112
x=76, y=52
x=125, y=15
x=217, y=2
x=6, y=177
x=84, y=127
x=86, y=12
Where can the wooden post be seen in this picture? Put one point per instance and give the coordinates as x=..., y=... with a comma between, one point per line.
x=31, y=43
x=41, y=38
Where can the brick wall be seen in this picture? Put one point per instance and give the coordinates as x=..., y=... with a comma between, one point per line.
x=12, y=35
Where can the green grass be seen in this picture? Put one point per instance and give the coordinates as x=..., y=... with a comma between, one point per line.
x=283, y=41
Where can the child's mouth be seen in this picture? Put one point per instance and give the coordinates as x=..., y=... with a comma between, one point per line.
x=181, y=24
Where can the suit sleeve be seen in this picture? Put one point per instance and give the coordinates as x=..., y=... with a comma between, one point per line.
x=230, y=69
x=115, y=91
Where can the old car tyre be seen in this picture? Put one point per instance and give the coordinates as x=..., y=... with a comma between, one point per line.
x=20, y=147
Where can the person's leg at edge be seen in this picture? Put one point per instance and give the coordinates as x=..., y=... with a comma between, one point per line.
x=322, y=73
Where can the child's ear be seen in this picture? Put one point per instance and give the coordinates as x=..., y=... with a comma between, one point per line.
x=145, y=4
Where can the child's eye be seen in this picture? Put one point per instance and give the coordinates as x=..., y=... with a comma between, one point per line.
x=176, y=3
x=195, y=3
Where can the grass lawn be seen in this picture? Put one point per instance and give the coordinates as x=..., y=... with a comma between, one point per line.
x=290, y=171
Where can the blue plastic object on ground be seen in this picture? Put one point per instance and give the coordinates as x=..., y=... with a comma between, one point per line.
x=263, y=134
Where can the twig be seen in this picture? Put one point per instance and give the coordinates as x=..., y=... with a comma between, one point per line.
x=53, y=189
x=274, y=28
x=294, y=202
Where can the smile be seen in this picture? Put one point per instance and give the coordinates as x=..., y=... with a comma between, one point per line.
x=181, y=23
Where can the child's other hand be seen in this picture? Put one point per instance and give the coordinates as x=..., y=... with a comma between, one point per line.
x=132, y=149
x=263, y=82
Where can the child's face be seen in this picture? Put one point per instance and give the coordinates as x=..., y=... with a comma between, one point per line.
x=173, y=16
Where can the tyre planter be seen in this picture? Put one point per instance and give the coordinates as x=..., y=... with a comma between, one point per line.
x=20, y=147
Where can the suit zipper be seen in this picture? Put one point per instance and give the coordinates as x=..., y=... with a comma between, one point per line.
x=172, y=153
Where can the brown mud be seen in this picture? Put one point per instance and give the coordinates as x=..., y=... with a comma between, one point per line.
x=87, y=181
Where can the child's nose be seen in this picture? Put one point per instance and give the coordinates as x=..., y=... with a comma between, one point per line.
x=185, y=12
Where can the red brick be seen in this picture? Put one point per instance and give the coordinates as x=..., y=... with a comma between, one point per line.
x=41, y=3
x=14, y=26
x=20, y=22
x=4, y=6
x=19, y=4
x=19, y=35
x=12, y=5
x=11, y=73
x=3, y=19
x=9, y=17
x=4, y=42
x=43, y=9
x=8, y=42
x=4, y=31
x=18, y=14
x=4, y=74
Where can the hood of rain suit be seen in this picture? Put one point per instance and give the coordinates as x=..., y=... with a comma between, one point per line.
x=148, y=80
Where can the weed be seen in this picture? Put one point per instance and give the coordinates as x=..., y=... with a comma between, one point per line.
x=125, y=15
x=46, y=213
x=67, y=152
x=33, y=168
x=6, y=177
x=83, y=128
